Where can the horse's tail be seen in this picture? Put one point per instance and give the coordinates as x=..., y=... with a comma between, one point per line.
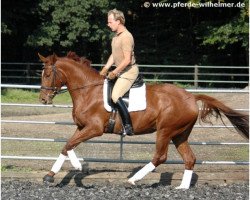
x=212, y=106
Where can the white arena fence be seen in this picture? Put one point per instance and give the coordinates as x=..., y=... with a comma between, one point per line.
x=198, y=76
x=121, y=142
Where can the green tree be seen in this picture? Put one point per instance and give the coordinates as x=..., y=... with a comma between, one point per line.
x=18, y=19
x=223, y=36
x=181, y=36
x=234, y=30
x=5, y=29
x=70, y=25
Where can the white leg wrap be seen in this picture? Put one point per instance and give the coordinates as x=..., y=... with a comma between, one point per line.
x=186, y=180
x=143, y=172
x=58, y=164
x=74, y=161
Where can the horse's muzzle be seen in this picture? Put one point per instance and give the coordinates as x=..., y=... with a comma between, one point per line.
x=45, y=99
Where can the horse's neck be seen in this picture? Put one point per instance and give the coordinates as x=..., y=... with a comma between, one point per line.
x=79, y=75
x=80, y=80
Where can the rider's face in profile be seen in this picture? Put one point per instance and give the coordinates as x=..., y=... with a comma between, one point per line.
x=112, y=23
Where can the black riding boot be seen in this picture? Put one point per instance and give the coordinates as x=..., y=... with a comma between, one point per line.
x=126, y=120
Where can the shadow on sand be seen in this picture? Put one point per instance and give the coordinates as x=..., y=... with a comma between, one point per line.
x=166, y=178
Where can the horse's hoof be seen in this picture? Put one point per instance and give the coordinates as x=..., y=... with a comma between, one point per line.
x=49, y=179
x=181, y=188
x=131, y=182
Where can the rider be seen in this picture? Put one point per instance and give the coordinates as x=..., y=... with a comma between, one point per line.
x=126, y=70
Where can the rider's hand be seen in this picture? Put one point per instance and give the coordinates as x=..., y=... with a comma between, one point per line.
x=104, y=71
x=111, y=75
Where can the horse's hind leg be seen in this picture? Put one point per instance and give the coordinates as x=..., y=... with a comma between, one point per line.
x=181, y=143
x=160, y=157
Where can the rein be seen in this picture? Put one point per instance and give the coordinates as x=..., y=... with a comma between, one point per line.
x=85, y=86
x=56, y=90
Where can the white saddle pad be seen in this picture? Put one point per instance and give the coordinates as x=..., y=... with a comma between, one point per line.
x=137, y=98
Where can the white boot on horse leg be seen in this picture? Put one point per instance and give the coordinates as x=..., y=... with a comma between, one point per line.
x=49, y=178
x=74, y=161
x=143, y=172
x=186, y=180
x=58, y=164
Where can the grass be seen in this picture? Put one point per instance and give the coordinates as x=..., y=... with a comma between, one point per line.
x=235, y=153
x=13, y=168
x=30, y=96
x=26, y=148
x=181, y=85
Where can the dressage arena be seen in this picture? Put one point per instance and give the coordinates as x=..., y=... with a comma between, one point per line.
x=22, y=178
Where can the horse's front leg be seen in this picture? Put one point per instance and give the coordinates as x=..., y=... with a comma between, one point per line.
x=79, y=136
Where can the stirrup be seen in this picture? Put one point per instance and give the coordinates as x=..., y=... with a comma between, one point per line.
x=127, y=130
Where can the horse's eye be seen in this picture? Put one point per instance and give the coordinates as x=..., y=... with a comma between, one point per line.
x=47, y=72
x=47, y=76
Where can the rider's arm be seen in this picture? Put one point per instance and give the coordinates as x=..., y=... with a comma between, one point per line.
x=110, y=62
x=125, y=62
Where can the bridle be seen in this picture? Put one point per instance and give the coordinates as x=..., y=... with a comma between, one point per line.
x=55, y=74
x=57, y=90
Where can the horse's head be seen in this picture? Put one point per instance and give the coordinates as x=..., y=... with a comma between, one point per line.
x=51, y=81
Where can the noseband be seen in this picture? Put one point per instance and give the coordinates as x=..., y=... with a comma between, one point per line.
x=53, y=87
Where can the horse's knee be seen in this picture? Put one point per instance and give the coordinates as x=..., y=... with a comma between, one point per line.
x=98, y=134
x=72, y=144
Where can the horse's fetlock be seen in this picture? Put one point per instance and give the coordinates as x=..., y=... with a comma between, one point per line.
x=64, y=152
x=163, y=158
x=159, y=160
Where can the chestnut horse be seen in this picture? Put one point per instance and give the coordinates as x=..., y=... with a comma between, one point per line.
x=171, y=112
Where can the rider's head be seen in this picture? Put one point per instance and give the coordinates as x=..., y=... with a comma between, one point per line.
x=115, y=19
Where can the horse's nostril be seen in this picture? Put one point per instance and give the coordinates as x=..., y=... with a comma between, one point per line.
x=43, y=101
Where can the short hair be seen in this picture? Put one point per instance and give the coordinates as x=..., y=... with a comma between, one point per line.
x=118, y=15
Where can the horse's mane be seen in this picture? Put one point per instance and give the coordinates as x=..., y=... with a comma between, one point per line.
x=82, y=60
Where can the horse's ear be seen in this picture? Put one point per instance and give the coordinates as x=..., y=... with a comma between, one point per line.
x=42, y=58
x=54, y=57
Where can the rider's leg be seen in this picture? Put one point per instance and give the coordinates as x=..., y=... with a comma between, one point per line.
x=126, y=120
x=122, y=85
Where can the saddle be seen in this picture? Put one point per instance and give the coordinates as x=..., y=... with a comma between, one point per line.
x=110, y=85
x=138, y=83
